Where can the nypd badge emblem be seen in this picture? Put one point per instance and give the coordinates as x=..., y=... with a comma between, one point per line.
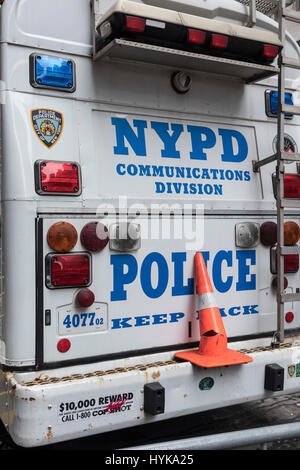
x=291, y=370
x=48, y=125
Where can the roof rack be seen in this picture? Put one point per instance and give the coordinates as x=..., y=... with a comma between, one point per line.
x=129, y=49
x=268, y=7
x=121, y=49
x=263, y=6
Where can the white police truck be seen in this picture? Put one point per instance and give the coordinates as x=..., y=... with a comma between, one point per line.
x=134, y=135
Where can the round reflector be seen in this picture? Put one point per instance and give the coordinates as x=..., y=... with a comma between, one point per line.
x=268, y=233
x=289, y=317
x=63, y=345
x=62, y=237
x=291, y=233
x=94, y=236
x=85, y=298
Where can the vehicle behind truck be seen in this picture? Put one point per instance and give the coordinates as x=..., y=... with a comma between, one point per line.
x=133, y=135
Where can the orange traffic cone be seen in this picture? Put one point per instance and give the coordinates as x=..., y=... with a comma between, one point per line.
x=213, y=351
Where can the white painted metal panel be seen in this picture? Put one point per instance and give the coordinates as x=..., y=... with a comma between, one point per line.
x=18, y=302
x=60, y=26
x=156, y=307
x=173, y=158
x=69, y=403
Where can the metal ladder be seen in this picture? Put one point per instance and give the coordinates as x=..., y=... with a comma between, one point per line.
x=281, y=157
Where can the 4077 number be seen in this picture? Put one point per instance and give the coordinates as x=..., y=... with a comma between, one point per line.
x=82, y=320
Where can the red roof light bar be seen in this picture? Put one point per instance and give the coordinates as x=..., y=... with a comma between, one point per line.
x=270, y=51
x=219, y=41
x=135, y=24
x=196, y=36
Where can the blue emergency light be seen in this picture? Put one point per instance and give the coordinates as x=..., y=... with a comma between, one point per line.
x=272, y=103
x=52, y=72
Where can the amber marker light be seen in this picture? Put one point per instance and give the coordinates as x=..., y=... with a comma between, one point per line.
x=291, y=233
x=62, y=237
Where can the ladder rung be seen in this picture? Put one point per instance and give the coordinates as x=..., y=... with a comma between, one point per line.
x=290, y=297
x=289, y=109
x=290, y=203
x=289, y=62
x=291, y=15
x=290, y=156
x=290, y=250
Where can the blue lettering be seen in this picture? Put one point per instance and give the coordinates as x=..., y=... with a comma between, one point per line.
x=160, y=318
x=233, y=311
x=162, y=130
x=244, y=270
x=160, y=187
x=163, y=275
x=125, y=131
x=250, y=309
x=179, y=289
x=175, y=317
x=120, y=278
x=121, y=169
x=120, y=323
x=222, y=312
x=222, y=286
x=142, y=320
x=229, y=156
x=247, y=176
x=199, y=143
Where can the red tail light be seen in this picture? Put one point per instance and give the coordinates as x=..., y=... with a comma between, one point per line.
x=268, y=233
x=94, y=236
x=196, y=36
x=291, y=262
x=135, y=24
x=292, y=186
x=68, y=270
x=85, y=298
x=57, y=178
x=219, y=41
x=270, y=52
x=275, y=282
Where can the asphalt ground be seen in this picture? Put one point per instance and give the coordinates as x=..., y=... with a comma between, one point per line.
x=272, y=411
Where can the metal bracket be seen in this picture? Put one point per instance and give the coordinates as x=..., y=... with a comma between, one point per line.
x=252, y=14
x=257, y=164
